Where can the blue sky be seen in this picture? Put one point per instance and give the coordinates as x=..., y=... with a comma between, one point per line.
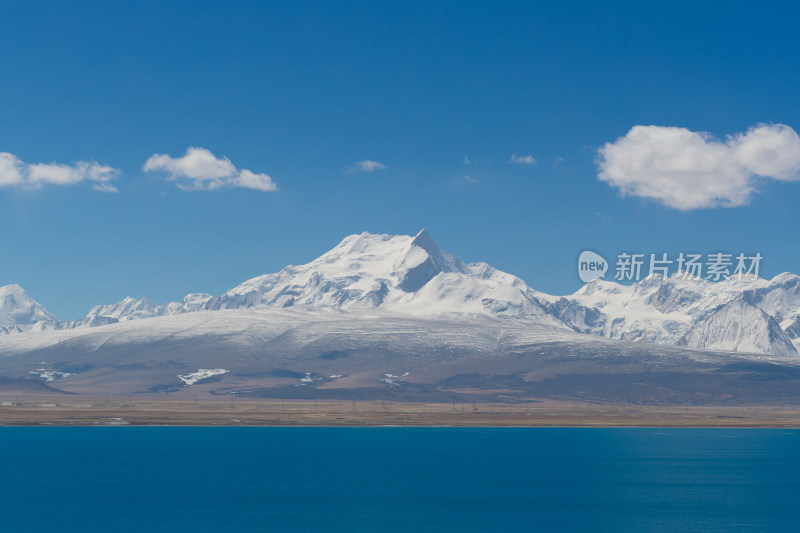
x=302, y=92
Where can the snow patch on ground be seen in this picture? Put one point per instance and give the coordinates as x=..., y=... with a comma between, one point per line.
x=203, y=373
x=50, y=375
x=391, y=379
x=307, y=379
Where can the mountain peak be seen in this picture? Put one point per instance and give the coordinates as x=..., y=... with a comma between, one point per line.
x=785, y=277
x=402, y=273
x=424, y=240
x=125, y=309
x=422, y=261
x=17, y=307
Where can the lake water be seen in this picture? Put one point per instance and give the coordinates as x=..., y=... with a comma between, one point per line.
x=398, y=479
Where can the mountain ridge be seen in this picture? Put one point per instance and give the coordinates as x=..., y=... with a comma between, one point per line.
x=411, y=275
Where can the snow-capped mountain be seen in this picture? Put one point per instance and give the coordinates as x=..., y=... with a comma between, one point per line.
x=126, y=309
x=196, y=301
x=665, y=310
x=17, y=309
x=779, y=298
x=738, y=326
x=396, y=273
x=131, y=308
x=409, y=275
x=412, y=276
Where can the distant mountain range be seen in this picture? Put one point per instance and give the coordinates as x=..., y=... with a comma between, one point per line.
x=412, y=276
x=396, y=317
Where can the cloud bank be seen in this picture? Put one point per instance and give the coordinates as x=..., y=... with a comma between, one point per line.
x=366, y=166
x=687, y=170
x=15, y=173
x=200, y=170
x=522, y=159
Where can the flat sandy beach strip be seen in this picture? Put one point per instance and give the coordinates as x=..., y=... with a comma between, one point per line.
x=233, y=412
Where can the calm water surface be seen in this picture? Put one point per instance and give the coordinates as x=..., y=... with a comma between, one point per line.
x=398, y=479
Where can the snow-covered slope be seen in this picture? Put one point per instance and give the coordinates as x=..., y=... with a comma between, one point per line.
x=340, y=354
x=738, y=326
x=792, y=329
x=780, y=298
x=17, y=308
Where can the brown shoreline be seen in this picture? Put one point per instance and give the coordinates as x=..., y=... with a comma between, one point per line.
x=51, y=411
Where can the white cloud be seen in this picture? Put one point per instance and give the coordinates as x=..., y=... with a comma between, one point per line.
x=686, y=170
x=366, y=166
x=201, y=170
x=104, y=187
x=522, y=159
x=769, y=151
x=470, y=179
x=10, y=171
x=15, y=173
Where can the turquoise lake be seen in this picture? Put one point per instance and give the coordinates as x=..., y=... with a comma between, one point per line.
x=398, y=479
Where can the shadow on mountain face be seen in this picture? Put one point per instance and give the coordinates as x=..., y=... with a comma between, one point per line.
x=27, y=387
